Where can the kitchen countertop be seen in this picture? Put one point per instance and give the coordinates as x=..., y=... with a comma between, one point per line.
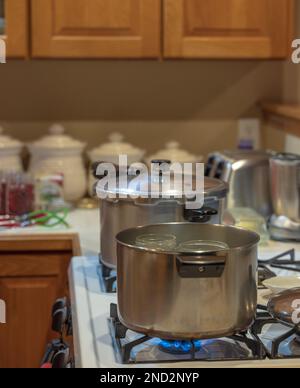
x=85, y=223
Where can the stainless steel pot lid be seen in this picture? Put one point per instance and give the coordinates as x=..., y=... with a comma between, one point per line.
x=214, y=189
x=285, y=307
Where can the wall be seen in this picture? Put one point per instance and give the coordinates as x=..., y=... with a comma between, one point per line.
x=196, y=103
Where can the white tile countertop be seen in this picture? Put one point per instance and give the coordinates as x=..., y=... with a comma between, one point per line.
x=86, y=223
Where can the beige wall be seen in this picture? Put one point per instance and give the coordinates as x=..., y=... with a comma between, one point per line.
x=195, y=102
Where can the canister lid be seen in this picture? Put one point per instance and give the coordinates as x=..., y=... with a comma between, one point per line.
x=175, y=154
x=57, y=140
x=8, y=143
x=109, y=152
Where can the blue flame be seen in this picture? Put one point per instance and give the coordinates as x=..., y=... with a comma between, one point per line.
x=180, y=346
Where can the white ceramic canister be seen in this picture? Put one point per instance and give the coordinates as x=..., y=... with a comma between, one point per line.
x=110, y=152
x=58, y=153
x=10, y=153
x=174, y=154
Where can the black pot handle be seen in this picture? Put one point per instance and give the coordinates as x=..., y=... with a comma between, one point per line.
x=206, y=266
x=201, y=216
x=161, y=161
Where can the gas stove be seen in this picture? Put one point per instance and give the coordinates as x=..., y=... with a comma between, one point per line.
x=101, y=341
x=267, y=338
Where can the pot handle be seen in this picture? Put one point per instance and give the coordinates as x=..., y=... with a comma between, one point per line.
x=200, y=215
x=202, y=266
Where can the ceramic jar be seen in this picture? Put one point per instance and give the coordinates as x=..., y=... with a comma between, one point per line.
x=10, y=153
x=109, y=153
x=58, y=153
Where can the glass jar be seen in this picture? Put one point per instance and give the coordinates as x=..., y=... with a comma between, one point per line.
x=157, y=241
x=202, y=246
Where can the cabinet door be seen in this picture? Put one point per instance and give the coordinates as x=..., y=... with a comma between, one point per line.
x=228, y=28
x=96, y=28
x=14, y=27
x=33, y=274
x=28, y=307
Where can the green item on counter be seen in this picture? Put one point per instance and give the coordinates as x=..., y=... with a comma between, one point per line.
x=50, y=219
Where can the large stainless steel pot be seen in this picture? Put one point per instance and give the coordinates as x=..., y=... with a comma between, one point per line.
x=174, y=295
x=285, y=185
x=121, y=214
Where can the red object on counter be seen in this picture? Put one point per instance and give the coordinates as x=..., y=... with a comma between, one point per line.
x=20, y=199
x=48, y=365
x=17, y=194
x=2, y=198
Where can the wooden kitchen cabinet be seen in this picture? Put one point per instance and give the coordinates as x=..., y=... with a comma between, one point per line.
x=96, y=28
x=33, y=274
x=14, y=27
x=227, y=28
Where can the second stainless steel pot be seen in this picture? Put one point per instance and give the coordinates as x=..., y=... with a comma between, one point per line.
x=177, y=295
x=121, y=214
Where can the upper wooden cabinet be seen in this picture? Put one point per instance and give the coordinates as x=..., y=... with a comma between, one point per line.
x=14, y=27
x=227, y=28
x=235, y=29
x=96, y=28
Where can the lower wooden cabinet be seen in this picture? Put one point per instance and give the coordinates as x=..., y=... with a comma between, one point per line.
x=33, y=274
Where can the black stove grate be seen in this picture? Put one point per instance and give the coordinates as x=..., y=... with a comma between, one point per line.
x=254, y=347
x=108, y=278
x=285, y=261
x=293, y=333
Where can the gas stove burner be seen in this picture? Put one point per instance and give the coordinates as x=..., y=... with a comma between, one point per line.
x=180, y=347
x=137, y=348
